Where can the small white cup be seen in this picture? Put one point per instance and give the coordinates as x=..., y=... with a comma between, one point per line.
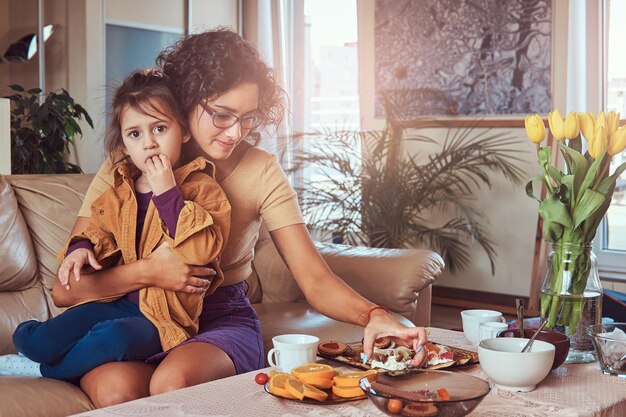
x=490, y=329
x=472, y=320
x=291, y=350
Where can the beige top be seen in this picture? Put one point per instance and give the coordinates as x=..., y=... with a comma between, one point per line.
x=257, y=189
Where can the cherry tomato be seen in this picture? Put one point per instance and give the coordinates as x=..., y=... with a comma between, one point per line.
x=394, y=406
x=261, y=378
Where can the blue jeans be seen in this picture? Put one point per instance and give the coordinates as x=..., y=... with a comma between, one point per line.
x=87, y=336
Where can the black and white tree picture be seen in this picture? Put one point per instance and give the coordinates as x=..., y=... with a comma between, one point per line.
x=464, y=57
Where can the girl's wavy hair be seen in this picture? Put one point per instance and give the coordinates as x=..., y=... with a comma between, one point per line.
x=147, y=91
x=209, y=64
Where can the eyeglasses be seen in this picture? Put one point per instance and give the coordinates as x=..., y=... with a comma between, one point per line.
x=226, y=120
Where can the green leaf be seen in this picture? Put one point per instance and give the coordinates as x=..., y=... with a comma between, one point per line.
x=587, y=206
x=567, y=191
x=553, y=210
x=576, y=144
x=578, y=168
x=607, y=185
x=554, y=173
x=16, y=87
x=529, y=186
x=544, y=155
x=590, y=176
x=552, y=231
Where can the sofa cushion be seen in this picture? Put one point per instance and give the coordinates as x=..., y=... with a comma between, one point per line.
x=277, y=282
x=393, y=278
x=18, y=262
x=41, y=397
x=62, y=196
x=16, y=307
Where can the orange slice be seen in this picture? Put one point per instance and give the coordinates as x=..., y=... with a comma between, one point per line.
x=277, y=385
x=317, y=370
x=351, y=379
x=301, y=389
x=348, y=392
x=317, y=382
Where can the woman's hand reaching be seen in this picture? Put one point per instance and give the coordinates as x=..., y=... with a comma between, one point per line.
x=382, y=324
x=165, y=270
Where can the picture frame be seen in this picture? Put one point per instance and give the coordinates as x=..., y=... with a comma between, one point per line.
x=489, y=59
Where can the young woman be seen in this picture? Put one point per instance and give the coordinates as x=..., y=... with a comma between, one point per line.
x=226, y=91
x=155, y=199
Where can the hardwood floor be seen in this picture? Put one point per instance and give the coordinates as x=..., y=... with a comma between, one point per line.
x=446, y=317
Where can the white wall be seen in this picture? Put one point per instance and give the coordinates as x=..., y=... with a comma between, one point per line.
x=207, y=14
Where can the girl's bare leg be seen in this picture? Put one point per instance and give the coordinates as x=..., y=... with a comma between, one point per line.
x=191, y=364
x=117, y=382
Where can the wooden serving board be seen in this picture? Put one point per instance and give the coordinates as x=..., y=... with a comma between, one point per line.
x=352, y=357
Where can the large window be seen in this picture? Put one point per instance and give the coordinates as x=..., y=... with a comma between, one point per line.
x=612, y=236
x=331, y=64
x=331, y=90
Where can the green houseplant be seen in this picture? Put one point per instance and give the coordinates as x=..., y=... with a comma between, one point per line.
x=41, y=132
x=361, y=186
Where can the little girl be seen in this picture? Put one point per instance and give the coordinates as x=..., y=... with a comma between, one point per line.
x=150, y=204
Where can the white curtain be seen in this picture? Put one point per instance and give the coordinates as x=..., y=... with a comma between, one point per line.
x=277, y=28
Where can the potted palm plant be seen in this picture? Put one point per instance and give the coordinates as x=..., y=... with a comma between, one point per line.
x=360, y=185
x=42, y=130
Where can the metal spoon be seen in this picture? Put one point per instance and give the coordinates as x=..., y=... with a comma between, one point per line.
x=532, y=339
x=519, y=303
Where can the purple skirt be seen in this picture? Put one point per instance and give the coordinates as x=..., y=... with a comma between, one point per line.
x=229, y=322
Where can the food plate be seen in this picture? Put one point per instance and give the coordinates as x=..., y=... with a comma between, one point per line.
x=332, y=398
x=409, y=392
x=459, y=357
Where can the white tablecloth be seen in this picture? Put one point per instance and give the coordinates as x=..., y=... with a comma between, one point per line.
x=571, y=390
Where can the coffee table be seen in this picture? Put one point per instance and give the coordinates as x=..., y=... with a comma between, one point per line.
x=570, y=390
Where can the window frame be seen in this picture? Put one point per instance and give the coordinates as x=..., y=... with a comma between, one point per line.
x=611, y=263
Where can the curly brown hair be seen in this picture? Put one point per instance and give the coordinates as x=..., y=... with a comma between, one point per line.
x=142, y=90
x=209, y=64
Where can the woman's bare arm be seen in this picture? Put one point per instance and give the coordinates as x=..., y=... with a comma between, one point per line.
x=328, y=294
x=161, y=269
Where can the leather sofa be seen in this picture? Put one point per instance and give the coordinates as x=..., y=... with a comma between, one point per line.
x=36, y=215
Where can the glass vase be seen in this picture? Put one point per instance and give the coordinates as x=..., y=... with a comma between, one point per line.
x=571, y=297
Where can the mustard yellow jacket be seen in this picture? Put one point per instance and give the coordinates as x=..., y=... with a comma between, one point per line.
x=201, y=234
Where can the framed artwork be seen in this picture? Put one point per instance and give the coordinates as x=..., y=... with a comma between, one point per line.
x=463, y=58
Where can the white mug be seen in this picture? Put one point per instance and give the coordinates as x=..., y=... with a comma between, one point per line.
x=472, y=320
x=490, y=329
x=291, y=350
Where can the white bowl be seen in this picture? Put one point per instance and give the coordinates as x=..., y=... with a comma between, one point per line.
x=501, y=358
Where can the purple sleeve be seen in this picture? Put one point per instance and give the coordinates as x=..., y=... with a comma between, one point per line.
x=77, y=245
x=169, y=205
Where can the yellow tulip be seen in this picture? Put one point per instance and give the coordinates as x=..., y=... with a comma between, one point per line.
x=617, y=143
x=600, y=121
x=555, y=120
x=571, y=126
x=535, y=129
x=587, y=124
x=612, y=123
x=599, y=143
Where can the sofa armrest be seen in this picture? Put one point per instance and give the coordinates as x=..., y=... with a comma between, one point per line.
x=398, y=279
